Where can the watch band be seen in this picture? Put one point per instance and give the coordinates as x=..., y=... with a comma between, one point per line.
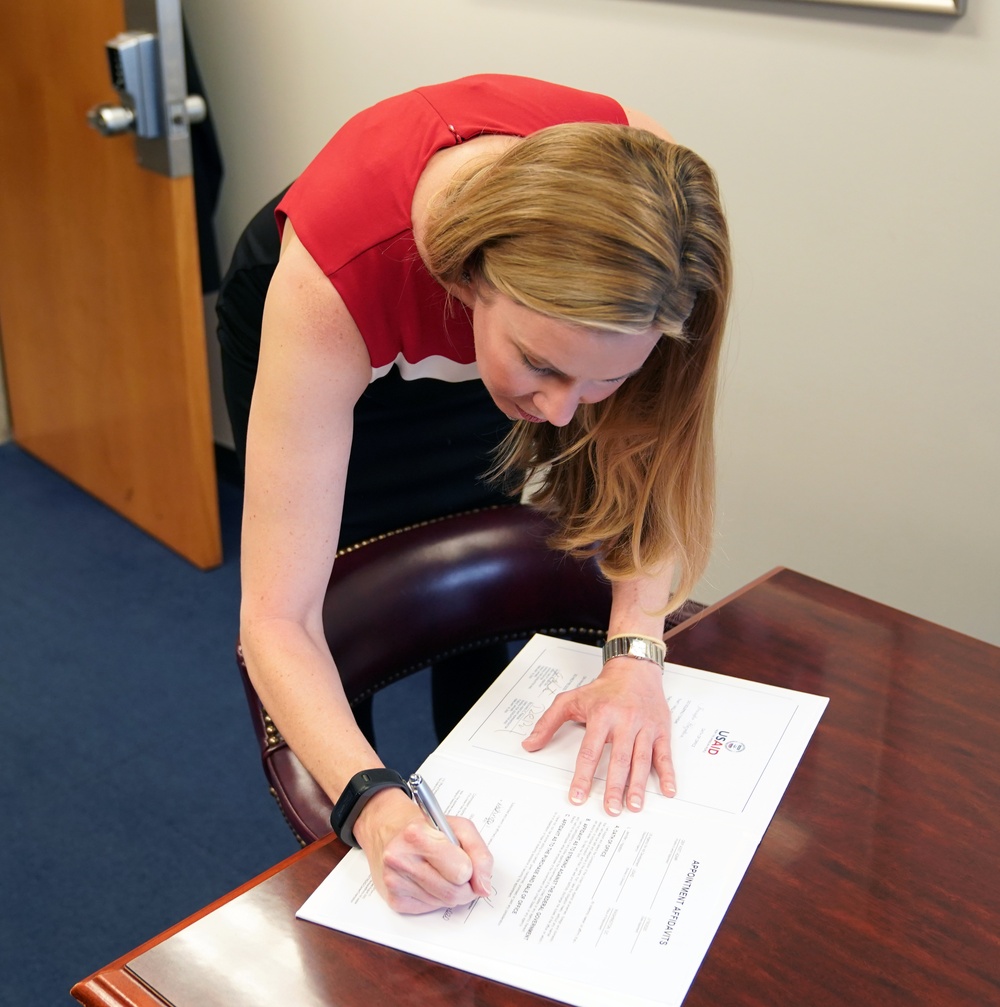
x=643, y=648
x=361, y=789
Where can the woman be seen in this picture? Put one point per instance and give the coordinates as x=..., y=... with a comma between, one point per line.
x=571, y=256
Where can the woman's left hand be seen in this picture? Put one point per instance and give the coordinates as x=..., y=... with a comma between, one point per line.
x=623, y=707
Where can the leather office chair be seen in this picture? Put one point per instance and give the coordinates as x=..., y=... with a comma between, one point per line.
x=400, y=602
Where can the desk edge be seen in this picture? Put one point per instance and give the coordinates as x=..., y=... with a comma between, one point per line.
x=95, y=989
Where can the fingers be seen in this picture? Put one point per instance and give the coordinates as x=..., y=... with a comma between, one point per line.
x=422, y=870
x=591, y=750
x=476, y=850
x=548, y=723
x=627, y=761
x=642, y=756
x=663, y=766
x=633, y=753
x=597, y=735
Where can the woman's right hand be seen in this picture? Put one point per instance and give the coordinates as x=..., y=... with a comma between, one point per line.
x=414, y=867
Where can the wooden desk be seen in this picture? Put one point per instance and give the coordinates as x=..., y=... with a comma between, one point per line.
x=878, y=881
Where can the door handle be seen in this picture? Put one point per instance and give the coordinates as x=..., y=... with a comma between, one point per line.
x=146, y=64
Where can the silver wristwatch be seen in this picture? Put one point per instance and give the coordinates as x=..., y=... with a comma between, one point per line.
x=645, y=648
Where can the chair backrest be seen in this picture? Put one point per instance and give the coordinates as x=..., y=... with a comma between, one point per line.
x=403, y=601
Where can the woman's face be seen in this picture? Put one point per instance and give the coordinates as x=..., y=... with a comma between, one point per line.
x=539, y=369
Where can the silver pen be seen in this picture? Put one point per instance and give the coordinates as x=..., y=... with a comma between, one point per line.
x=428, y=804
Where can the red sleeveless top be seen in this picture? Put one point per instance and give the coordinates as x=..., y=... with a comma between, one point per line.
x=351, y=208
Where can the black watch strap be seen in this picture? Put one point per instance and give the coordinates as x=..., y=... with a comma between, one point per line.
x=362, y=788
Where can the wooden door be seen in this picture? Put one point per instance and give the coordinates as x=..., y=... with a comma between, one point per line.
x=101, y=312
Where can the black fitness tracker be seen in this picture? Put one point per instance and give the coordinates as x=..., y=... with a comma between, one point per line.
x=362, y=788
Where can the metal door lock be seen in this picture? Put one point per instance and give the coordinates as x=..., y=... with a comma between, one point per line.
x=110, y=119
x=147, y=70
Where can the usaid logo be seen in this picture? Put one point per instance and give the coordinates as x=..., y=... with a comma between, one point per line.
x=722, y=741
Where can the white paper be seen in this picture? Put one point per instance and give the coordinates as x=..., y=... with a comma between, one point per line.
x=591, y=909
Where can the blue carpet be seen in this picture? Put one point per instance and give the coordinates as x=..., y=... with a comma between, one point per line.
x=131, y=793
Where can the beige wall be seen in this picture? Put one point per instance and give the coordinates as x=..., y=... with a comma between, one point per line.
x=858, y=153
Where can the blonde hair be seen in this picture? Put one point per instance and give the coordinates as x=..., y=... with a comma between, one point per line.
x=615, y=229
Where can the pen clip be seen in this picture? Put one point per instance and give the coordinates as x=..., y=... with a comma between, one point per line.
x=428, y=804
x=417, y=790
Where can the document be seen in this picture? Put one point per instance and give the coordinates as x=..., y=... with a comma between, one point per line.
x=586, y=908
